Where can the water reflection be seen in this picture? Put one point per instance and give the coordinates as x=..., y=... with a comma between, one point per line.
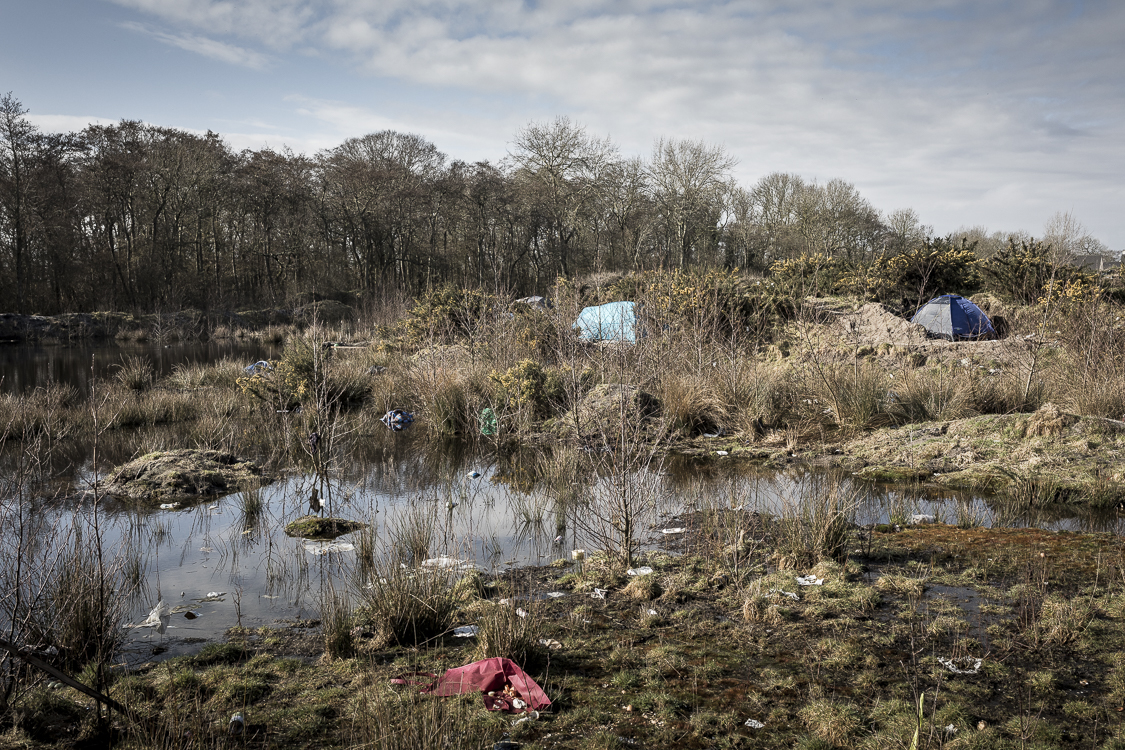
x=230, y=562
x=24, y=367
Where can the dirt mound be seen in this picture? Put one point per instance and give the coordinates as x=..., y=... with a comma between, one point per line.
x=314, y=527
x=180, y=475
x=1048, y=419
x=874, y=324
x=610, y=406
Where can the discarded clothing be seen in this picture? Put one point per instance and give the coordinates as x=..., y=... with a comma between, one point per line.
x=397, y=419
x=505, y=686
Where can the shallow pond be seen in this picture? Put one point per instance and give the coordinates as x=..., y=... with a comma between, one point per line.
x=229, y=564
x=24, y=367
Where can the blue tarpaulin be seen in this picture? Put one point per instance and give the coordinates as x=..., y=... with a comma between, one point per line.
x=954, y=318
x=613, y=321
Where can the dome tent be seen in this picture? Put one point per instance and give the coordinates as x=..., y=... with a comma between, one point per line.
x=954, y=318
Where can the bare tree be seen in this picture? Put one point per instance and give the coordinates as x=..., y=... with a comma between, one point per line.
x=689, y=183
x=563, y=162
x=17, y=141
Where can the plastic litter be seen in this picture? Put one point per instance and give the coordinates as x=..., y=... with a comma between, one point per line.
x=397, y=419
x=521, y=612
x=214, y=596
x=555, y=594
x=722, y=453
x=921, y=518
x=169, y=506
x=323, y=548
x=448, y=563
x=488, y=422
x=237, y=725
x=578, y=554
x=642, y=571
x=550, y=643
x=950, y=729
x=789, y=594
x=206, y=549
x=810, y=580
x=158, y=618
x=474, y=475
x=962, y=664
x=676, y=530
x=465, y=631
x=258, y=367
x=652, y=613
x=599, y=593
x=754, y=724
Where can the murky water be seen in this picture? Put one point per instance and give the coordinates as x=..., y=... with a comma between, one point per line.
x=228, y=564
x=23, y=367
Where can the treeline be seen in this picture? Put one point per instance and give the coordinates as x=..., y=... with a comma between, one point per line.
x=143, y=218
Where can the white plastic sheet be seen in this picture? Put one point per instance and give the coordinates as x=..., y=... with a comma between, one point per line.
x=323, y=548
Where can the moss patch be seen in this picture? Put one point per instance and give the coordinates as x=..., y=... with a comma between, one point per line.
x=314, y=527
x=181, y=475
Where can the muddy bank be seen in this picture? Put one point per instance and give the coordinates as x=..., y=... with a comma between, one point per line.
x=1082, y=456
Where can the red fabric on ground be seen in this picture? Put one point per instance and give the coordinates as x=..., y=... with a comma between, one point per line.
x=491, y=675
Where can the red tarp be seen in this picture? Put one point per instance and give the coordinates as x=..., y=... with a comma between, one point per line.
x=489, y=676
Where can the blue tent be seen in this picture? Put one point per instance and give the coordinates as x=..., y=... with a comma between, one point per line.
x=954, y=318
x=613, y=321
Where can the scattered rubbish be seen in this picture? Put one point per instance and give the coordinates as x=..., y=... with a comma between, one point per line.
x=158, y=618
x=189, y=615
x=169, y=506
x=677, y=530
x=398, y=419
x=599, y=593
x=237, y=725
x=518, y=704
x=626, y=740
x=550, y=643
x=465, y=631
x=715, y=434
x=323, y=548
x=530, y=716
x=214, y=508
x=213, y=596
x=951, y=729
x=559, y=539
x=578, y=554
x=258, y=367
x=810, y=580
x=754, y=724
x=642, y=571
x=653, y=613
x=521, y=612
x=488, y=422
x=206, y=549
x=722, y=453
x=474, y=475
x=790, y=594
x=961, y=664
x=555, y=594
x=54, y=685
x=270, y=596
x=921, y=518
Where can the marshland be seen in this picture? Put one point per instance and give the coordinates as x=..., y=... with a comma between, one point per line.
x=955, y=504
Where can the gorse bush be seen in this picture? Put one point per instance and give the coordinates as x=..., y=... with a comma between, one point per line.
x=450, y=312
x=529, y=388
x=935, y=266
x=1023, y=271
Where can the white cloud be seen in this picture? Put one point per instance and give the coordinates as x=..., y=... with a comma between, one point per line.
x=66, y=123
x=212, y=48
x=972, y=112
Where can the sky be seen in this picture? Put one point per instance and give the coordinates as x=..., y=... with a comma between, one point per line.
x=971, y=112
